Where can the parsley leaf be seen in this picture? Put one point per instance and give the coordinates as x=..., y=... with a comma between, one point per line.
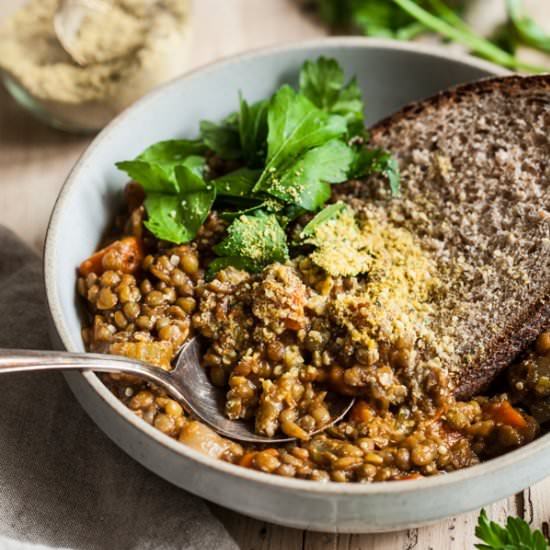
x=256, y=241
x=154, y=168
x=253, y=131
x=307, y=181
x=516, y=535
x=223, y=139
x=242, y=135
x=165, y=216
x=322, y=82
x=296, y=126
x=238, y=183
x=172, y=152
x=231, y=215
x=176, y=217
x=152, y=177
x=372, y=161
x=235, y=190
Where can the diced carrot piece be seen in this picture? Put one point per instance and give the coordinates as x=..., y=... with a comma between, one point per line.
x=247, y=458
x=124, y=255
x=504, y=413
x=292, y=324
x=92, y=264
x=414, y=475
x=361, y=412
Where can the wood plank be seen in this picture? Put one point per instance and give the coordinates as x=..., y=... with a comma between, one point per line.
x=534, y=506
x=252, y=534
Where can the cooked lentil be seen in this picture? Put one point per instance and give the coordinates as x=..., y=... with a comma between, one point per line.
x=281, y=342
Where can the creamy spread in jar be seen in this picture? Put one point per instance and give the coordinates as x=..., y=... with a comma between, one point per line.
x=135, y=47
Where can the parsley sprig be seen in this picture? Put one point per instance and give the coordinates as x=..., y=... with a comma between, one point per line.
x=290, y=148
x=515, y=535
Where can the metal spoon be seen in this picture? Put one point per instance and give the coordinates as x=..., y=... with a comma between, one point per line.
x=187, y=383
x=68, y=22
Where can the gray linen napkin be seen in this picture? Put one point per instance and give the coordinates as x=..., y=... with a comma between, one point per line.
x=63, y=483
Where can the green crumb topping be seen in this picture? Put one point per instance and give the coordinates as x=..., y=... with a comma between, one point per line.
x=341, y=247
x=256, y=240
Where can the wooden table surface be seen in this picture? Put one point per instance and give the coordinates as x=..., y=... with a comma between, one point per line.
x=34, y=160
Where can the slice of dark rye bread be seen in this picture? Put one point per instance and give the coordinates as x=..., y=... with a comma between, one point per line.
x=475, y=165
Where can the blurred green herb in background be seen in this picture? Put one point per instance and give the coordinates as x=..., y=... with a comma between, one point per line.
x=406, y=19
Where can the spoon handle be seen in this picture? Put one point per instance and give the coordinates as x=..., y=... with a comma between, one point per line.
x=17, y=361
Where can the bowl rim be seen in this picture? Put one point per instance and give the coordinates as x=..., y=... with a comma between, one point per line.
x=247, y=475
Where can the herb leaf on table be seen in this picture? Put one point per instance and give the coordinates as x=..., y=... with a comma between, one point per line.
x=515, y=535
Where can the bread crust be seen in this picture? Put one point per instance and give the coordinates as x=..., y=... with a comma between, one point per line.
x=514, y=334
x=510, y=85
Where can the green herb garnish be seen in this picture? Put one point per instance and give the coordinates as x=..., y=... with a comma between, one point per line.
x=223, y=138
x=323, y=84
x=154, y=169
x=253, y=131
x=370, y=161
x=291, y=148
x=296, y=128
x=516, y=535
x=177, y=216
x=238, y=183
x=252, y=241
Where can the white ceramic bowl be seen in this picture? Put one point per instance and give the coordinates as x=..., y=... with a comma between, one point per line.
x=391, y=74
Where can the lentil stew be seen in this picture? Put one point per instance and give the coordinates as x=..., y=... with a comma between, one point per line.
x=280, y=340
x=295, y=305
